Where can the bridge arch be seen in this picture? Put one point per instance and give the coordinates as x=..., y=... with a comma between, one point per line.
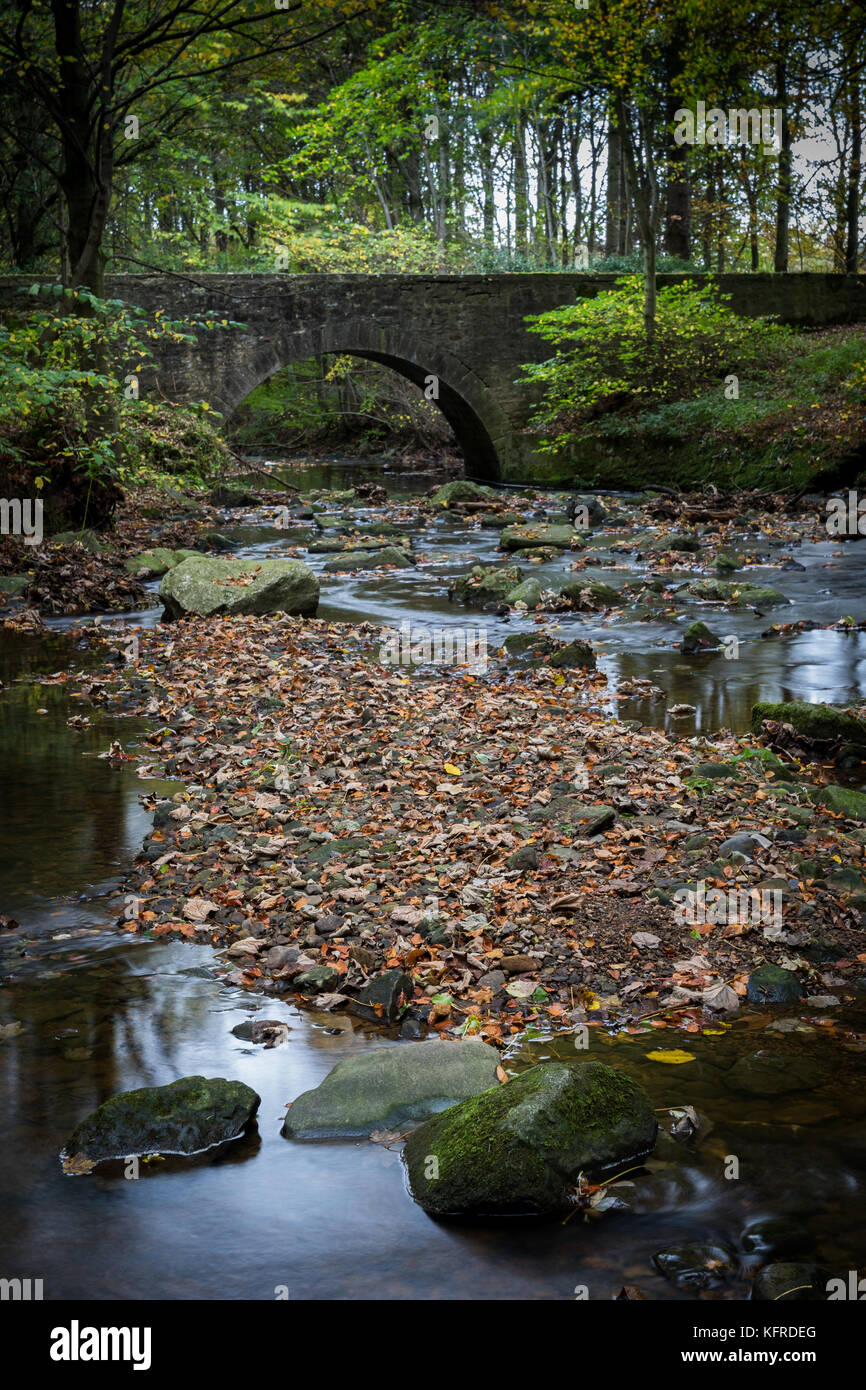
x=478, y=422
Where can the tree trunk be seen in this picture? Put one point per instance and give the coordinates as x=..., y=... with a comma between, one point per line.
x=642, y=184
x=615, y=229
x=783, y=196
x=855, y=168
x=677, y=229
x=521, y=192
x=87, y=155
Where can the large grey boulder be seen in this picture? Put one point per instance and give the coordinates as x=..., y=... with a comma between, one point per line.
x=185, y=1117
x=227, y=586
x=390, y=1086
x=521, y=1147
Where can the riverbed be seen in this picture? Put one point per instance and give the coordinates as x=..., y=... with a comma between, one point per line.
x=86, y=1013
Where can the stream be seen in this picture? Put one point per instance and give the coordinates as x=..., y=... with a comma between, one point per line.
x=85, y=1012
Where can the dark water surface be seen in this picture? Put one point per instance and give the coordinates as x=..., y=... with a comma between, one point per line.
x=333, y=1220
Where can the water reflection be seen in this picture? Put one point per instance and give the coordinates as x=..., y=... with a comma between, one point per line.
x=69, y=820
x=333, y=1220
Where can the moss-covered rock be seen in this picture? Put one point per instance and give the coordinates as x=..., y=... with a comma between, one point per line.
x=571, y=655
x=462, y=491
x=385, y=998
x=528, y=593
x=845, y=801
x=521, y=1147
x=814, y=721
x=87, y=539
x=685, y=543
x=529, y=646
x=184, y=1117
x=486, y=584
x=725, y=591
x=14, y=584
x=211, y=585
x=369, y=559
x=698, y=638
x=590, y=594
x=528, y=537
x=385, y=1088
x=225, y=496
x=791, y=1283
x=157, y=561
x=320, y=980
x=771, y=984
x=725, y=563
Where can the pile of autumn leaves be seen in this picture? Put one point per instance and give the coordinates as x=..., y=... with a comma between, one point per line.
x=374, y=818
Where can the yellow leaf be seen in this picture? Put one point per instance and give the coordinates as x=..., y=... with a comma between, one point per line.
x=452, y=770
x=672, y=1055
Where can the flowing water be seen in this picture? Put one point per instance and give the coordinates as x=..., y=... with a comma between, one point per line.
x=85, y=1013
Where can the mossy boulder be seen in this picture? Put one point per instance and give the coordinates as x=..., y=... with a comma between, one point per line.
x=369, y=559
x=224, y=496
x=821, y=722
x=385, y=997
x=845, y=801
x=590, y=593
x=520, y=1148
x=528, y=593
x=772, y=984
x=14, y=584
x=530, y=647
x=698, y=638
x=185, y=1117
x=224, y=585
x=663, y=545
x=388, y=1087
x=157, y=561
x=87, y=539
x=320, y=980
x=462, y=491
x=791, y=1283
x=529, y=537
x=725, y=563
x=571, y=655
x=487, y=584
x=741, y=595
x=586, y=507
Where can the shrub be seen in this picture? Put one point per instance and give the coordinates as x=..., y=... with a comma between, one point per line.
x=603, y=361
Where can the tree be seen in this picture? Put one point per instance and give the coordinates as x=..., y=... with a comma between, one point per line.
x=91, y=67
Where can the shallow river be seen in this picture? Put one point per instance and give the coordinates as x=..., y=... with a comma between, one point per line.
x=93, y=1014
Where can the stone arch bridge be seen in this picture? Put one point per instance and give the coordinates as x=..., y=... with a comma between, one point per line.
x=467, y=331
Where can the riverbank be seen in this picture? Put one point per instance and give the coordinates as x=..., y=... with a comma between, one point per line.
x=468, y=855
x=800, y=425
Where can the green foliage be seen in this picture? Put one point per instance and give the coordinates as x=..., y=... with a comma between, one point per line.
x=159, y=439
x=632, y=264
x=338, y=398
x=603, y=361
x=68, y=380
